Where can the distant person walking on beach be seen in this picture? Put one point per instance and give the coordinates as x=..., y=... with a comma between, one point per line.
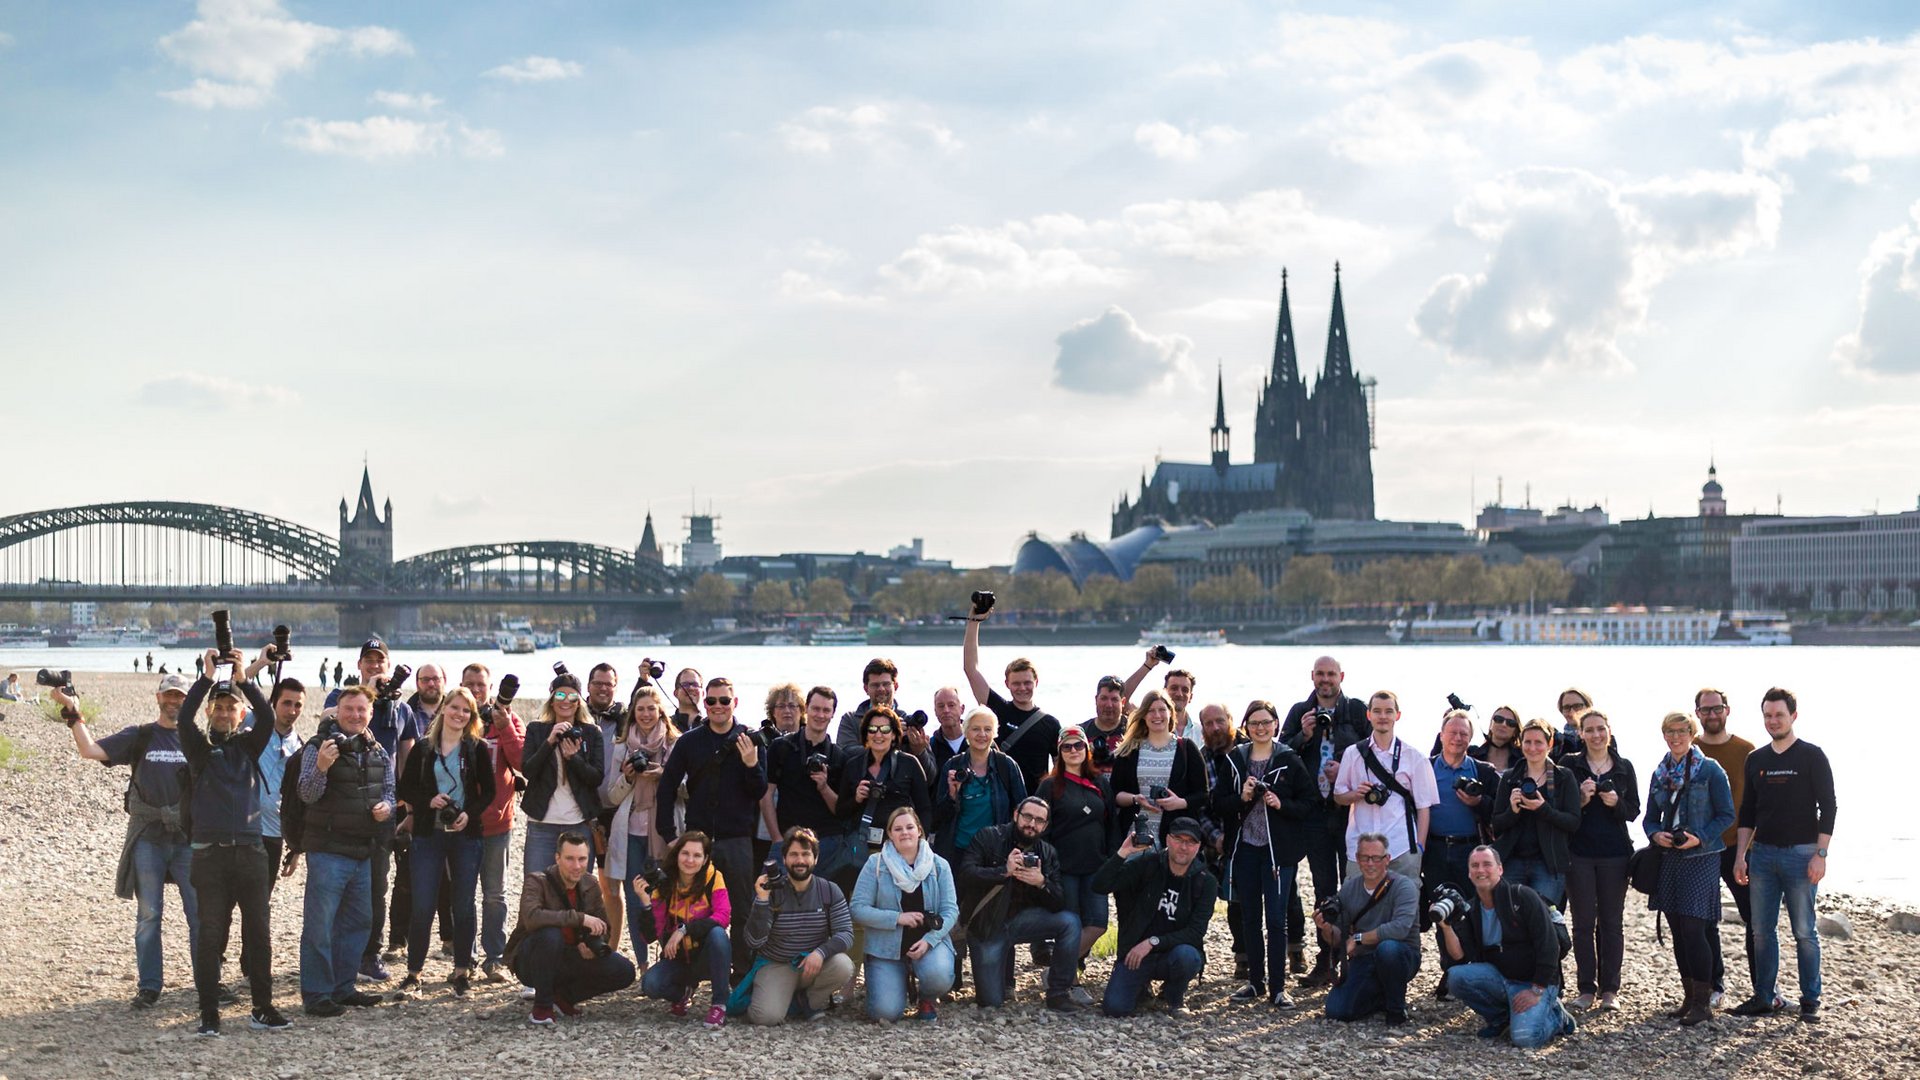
x=149, y=663
x=323, y=673
x=336, y=673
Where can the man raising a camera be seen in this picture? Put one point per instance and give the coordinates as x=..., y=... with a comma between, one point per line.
x=346, y=782
x=801, y=928
x=1027, y=732
x=1510, y=953
x=1374, y=923
x=559, y=945
x=1011, y=881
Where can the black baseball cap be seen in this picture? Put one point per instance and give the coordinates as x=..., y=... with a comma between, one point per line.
x=373, y=645
x=1184, y=826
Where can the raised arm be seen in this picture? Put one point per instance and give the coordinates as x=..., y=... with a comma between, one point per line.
x=970, y=660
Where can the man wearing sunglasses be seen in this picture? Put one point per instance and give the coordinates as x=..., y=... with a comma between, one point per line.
x=686, y=700
x=726, y=776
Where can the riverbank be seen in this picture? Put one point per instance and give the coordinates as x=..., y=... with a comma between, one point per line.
x=66, y=974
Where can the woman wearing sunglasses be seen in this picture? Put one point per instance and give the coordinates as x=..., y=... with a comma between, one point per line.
x=1502, y=747
x=882, y=779
x=563, y=765
x=1081, y=802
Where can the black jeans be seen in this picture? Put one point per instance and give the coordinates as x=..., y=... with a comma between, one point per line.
x=1327, y=863
x=733, y=858
x=554, y=968
x=225, y=876
x=276, y=850
x=1597, y=892
x=1692, y=942
x=1743, y=902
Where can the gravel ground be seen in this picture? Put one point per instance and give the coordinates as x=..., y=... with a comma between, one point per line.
x=66, y=975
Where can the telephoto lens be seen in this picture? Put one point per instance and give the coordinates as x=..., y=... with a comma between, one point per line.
x=560, y=668
x=59, y=680
x=222, y=632
x=282, y=644
x=509, y=687
x=390, y=686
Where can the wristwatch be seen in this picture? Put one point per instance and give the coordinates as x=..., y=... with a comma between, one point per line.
x=1820, y=851
x=1154, y=941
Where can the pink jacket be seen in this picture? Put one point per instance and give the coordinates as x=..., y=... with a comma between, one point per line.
x=714, y=911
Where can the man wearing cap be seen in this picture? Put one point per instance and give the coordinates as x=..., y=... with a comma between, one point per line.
x=1165, y=901
x=230, y=864
x=156, y=849
x=394, y=726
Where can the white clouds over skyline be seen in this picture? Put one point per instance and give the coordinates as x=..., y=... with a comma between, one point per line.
x=379, y=138
x=535, y=69
x=1887, y=339
x=1170, y=143
x=822, y=129
x=197, y=392
x=1110, y=355
x=241, y=48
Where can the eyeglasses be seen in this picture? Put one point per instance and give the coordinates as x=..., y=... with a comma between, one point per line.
x=1374, y=858
x=1037, y=818
x=1675, y=733
x=1571, y=706
x=1267, y=722
x=719, y=701
x=1711, y=710
x=565, y=695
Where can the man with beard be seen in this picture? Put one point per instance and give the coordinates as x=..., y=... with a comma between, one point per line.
x=1729, y=751
x=1011, y=881
x=1349, y=715
x=610, y=714
x=429, y=689
x=1218, y=738
x=1164, y=900
x=800, y=929
x=1109, y=724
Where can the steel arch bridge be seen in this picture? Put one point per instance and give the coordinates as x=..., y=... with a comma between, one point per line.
x=589, y=568
x=308, y=552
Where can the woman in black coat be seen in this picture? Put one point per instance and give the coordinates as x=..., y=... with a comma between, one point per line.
x=1152, y=756
x=1601, y=848
x=881, y=778
x=1534, y=813
x=1262, y=793
x=446, y=785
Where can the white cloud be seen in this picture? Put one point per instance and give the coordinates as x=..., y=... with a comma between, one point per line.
x=1887, y=339
x=1575, y=258
x=1227, y=309
x=1064, y=250
x=480, y=142
x=1111, y=355
x=241, y=48
x=395, y=99
x=204, y=393
x=207, y=94
x=823, y=129
x=535, y=69
x=1170, y=143
x=1448, y=103
x=382, y=137
x=1332, y=46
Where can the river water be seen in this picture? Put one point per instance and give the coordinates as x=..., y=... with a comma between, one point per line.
x=1877, y=837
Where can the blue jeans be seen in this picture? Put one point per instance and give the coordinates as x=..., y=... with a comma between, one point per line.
x=555, y=969
x=457, y=857
x=333, y=931
x=639, y=917
x=1776, y=873
x=1263, y=903
x=1533, y=873
x=1027, y=926
x=153, y=862
x=887, y=981
x=675, y=979
x=544, y=839
x=1375, y=981
x=493, y=896
x=1175, y=968
x=1491, y=994
x=1085, y=901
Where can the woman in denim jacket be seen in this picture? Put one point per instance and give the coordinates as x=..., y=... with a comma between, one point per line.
x=1689, y=806
x=906, y=901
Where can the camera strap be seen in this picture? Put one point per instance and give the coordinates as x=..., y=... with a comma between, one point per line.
x=1372, y=902
x=1007, y=744
x=1391, y=782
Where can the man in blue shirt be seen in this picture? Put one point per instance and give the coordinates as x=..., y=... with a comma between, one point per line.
x=287, y=702
x=1459, y=821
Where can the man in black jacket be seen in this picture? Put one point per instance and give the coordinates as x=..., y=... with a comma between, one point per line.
x=725, y=778
x=1011, y=880
x=1165, y=901
x=230, y=865
x=1329, y=702
x=1509, y=953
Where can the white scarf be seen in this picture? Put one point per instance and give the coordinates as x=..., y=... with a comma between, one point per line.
x=908, y=878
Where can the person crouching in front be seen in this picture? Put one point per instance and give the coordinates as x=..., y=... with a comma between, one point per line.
x=690, y=922
x=559, y=945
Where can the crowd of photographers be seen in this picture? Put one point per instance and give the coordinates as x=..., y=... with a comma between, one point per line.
x=772, y=871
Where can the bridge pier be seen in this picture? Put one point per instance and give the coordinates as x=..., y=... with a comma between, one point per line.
x=358, y=622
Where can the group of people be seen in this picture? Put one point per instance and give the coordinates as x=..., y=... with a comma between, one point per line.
x=774, y=867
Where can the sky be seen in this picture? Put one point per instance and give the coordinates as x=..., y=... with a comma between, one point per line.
x=851, y=273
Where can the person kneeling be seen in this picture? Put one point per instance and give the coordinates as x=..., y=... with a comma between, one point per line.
x=906, y=902
x=559, y=945
x=1165, y=901
x=801, y=929
x=690, y=922
x=1511, y=973
x=1016, y=875
x=1377, y=930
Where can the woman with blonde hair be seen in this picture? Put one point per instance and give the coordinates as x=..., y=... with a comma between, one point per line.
x=637, y=757
x=1152, y=758
x=448, y=781
x=1689, y=806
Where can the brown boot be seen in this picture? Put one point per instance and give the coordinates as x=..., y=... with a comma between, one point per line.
x=1699, y=1007
x=1322, y=973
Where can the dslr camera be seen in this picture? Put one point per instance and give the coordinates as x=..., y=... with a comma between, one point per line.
x=1453, y=701
x=1529, y=789
x=1606, y=783
x=574, y=734
x=1260, y=788
x=653, y=669
x=1030, y=859
x=1469, y=785
x=982, y=602
x=345, y=743
x=1163, y=654
x=1142, y=832
x=447, y=815
x=390, y=687
x=1156, y=792
x=282, y=648
x=916, y=718
x=1447, y=906
x=775, y=871
x=1377, y=795
x=58, y=680
x=659, y=879
x=1102, y=752
x=816, y=763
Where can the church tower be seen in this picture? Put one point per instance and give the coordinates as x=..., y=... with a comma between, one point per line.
x=1217, y=435
x=1713, y=502
x=366, y=541
x=1341, y=450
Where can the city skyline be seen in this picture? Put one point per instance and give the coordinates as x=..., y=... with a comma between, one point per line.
x=854, y=276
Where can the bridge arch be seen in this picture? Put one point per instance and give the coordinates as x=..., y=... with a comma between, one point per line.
x=306, y=552
x=588, y=568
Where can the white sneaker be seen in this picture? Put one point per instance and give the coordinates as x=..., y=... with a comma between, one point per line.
x=526, y=991
x=1080, y=996
x=1718, y=997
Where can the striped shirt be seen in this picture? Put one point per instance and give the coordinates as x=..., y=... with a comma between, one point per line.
x=792, y=925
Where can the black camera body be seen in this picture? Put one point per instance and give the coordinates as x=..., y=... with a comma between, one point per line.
x=1260, y=788
x=560, y=668
x=1142, y=832
x=1469, y=785
x=390, y=688
x=1605, y=783
x=447, y=815
x=1447, y=906
x=575, y=734
x=659, y=879
x=345, y=743
x=1101, y=751
x=282, y=648
x=1377, y=795
x=916, y=718
x=1529, y=789
x=1030, y=859
x=982, y=602
x=597, y=944
x=1329, y=909
x=816, y=763
x=1156, y=792
x=1453, y=701
x=58, y=680
x=1163, y=654
x=775, y=871
x=638, y=761
x=762, y=737
x=653, y=669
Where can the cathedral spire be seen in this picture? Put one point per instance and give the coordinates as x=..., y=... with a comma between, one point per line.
x=365, y=502
x=1219, y=431
x=1286, y=365
x=1339, y=360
